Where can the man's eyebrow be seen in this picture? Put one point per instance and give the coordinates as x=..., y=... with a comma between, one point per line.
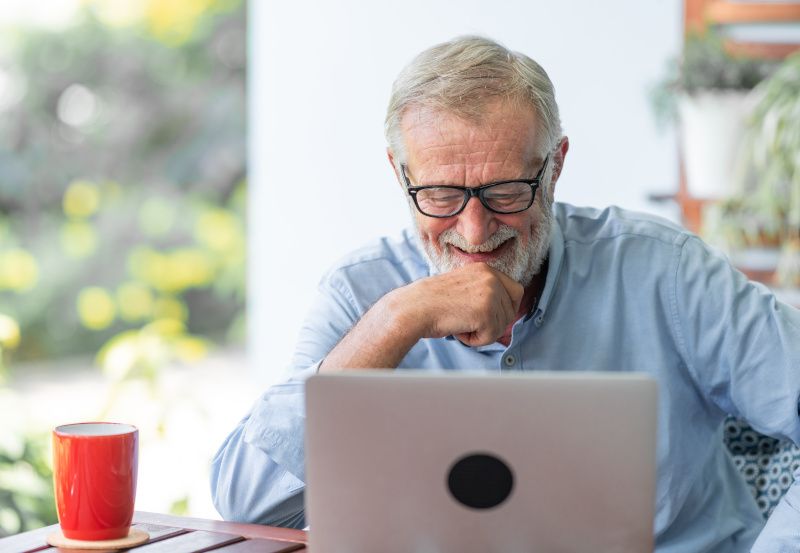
x=412, y=180
x=527, y=173
x=452, y=185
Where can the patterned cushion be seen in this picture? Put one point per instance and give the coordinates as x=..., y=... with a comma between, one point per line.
x=767, y=464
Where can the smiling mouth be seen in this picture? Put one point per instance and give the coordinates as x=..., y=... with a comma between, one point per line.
x=483, y=256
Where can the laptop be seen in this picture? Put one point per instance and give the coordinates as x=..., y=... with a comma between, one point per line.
x=545, y=462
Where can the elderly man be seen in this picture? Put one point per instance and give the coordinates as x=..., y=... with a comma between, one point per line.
x=496, y=275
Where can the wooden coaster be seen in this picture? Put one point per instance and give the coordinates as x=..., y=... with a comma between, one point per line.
x=134, y=537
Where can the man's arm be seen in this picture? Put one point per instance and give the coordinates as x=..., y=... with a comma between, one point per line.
x=258, y=473
x=474, y=303
x=743, y=347
x=741, y=344
x=248, y=485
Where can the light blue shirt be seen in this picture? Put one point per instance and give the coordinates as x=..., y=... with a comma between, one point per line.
x=624, y=292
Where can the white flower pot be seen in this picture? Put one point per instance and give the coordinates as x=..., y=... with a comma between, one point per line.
x=712, y=126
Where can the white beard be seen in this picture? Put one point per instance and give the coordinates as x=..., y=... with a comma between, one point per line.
x=519, y=262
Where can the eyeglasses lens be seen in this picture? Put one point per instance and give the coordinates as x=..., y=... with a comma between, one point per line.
x=508, y=197
x=503, y=198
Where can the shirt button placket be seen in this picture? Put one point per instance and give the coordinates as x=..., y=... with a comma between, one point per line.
x=509, y=360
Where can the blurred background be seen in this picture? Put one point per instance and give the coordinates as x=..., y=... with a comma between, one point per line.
x=123, y=192
x=143, y=281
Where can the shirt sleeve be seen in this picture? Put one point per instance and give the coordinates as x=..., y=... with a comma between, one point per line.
x=742, y=347
x=258, y=473
x=782, y=532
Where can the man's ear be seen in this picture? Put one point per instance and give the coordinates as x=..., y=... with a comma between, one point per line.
x=558, y=162
x=390, y=155
x=395, y=168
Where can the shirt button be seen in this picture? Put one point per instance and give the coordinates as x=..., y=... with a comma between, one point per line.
x=509, y=360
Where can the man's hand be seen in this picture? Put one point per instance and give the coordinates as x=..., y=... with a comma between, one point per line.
x=474, y=303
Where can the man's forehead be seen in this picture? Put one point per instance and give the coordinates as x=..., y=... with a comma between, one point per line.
x=502, y=141
x=487, y=117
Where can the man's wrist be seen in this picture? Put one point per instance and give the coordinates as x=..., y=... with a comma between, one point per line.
x=403, y=318
x=380, y=339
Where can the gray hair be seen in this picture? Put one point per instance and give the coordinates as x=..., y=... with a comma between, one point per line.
x=461, y=77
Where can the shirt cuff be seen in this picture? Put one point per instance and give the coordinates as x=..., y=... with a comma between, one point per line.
x=277, y=423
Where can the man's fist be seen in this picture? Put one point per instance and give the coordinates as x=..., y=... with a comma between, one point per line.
x=474, y=303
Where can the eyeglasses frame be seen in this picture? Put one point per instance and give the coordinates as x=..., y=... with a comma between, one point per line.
x=476, y=191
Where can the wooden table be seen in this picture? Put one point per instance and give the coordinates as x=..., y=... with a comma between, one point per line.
x=173, y=534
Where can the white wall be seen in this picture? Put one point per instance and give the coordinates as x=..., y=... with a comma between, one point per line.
x=320, y=75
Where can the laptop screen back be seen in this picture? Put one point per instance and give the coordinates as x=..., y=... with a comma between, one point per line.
x=411, y=462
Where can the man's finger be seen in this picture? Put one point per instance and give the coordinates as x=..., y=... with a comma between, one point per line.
x=510, y=307
x=514, y=289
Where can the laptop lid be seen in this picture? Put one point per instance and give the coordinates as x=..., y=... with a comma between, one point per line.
x=412, y=462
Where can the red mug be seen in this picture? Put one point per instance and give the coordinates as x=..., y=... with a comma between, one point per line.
x=94, y=472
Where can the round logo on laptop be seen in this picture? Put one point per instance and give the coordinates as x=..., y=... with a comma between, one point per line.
x=480, y=480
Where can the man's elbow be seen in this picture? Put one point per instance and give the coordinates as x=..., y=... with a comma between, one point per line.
x=247, y=486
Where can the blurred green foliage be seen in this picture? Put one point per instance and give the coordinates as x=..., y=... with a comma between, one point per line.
x=122, y=198
x=123, y=162
x=26, y=491
x=705, y=65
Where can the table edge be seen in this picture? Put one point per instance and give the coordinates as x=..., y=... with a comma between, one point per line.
x=240, y=528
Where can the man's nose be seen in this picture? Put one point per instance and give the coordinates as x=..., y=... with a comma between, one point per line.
x=475, y=222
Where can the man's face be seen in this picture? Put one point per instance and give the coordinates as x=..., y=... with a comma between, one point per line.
x=504, y=145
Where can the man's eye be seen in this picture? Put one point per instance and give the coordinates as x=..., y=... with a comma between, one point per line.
x=511, y=189
x=440, y=195
x=503, y=196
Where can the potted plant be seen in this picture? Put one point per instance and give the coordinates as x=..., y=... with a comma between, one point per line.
x=773, y=165
x=709, y=92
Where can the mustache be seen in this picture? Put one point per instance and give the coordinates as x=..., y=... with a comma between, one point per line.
x=499, y=237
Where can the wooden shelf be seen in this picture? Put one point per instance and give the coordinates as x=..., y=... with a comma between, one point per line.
x=721, y=12
x=698, y=15
x=772, y=51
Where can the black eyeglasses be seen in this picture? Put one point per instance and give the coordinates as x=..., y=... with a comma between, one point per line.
x=507, y=196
